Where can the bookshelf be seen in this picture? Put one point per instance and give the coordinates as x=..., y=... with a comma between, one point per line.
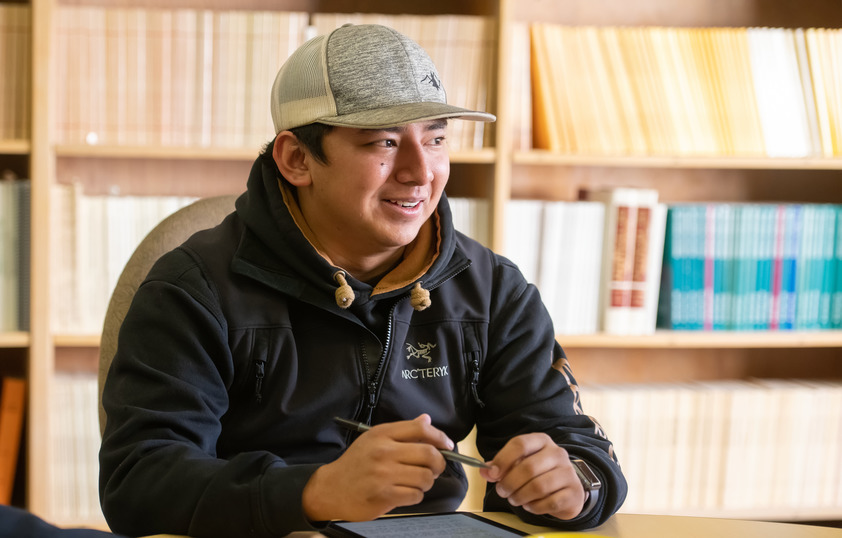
x=502, y=169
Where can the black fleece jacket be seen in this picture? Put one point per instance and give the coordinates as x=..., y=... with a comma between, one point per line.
x=234, y=357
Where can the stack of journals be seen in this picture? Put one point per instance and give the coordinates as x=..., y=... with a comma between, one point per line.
x=195, y=77
x=704, y=448
x=597, y=263
x=752, y=267
x=16, y=66
x=171, y=77
x=471, y=216
x=686, y=91
x=557, y=246
x=94, y=238
x=75, y=440
x=14, y=254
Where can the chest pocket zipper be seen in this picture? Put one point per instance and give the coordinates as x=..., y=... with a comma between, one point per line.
x=472, y=353
x=260, y=351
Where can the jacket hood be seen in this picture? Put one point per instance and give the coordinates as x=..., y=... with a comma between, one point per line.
x=277, y=247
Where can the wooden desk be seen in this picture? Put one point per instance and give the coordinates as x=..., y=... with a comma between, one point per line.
x=652, y=526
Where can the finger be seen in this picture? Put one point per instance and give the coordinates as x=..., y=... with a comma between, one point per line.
x=566, y=503
x=522, y=487
x=525, y=471
x=383, y=500
x=418, y=430
x=517, y=449
x=395, y=443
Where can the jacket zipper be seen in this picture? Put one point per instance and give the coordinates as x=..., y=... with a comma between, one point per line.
x=474, y=364
x=259, y=373
x=372, y=381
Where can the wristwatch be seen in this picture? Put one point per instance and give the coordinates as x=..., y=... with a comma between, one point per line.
x=590, y=481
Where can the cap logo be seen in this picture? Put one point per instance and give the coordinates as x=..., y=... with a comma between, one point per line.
x=433, y=80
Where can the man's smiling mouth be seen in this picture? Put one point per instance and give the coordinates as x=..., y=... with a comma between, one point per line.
x=404, y=204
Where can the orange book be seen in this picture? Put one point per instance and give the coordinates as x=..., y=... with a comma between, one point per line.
x=12, y=404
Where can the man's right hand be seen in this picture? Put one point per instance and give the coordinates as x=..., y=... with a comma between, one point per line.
x=390, y=465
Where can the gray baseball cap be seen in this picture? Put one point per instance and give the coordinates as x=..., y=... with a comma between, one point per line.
x=363, y=76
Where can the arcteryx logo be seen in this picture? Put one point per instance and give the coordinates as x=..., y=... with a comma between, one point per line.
x=423, y=351
x=433, y=80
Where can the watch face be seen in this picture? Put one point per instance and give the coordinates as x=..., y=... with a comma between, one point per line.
x=589, y=479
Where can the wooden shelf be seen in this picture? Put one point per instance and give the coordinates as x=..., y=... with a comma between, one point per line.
x=14, y=339
x=14, y=147
x=76, y=340
x=659, y=340
x=707, y=340
x=539, y=157
x=214, y=153
x=784, y=515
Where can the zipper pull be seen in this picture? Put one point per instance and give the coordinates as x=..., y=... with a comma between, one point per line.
x=259, y=373
x=372, y=401
x=475, y=381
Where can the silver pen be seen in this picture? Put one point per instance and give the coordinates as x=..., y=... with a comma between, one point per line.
x=448, y=454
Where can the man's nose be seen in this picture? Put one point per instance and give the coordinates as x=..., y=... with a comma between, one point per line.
x=414, y=163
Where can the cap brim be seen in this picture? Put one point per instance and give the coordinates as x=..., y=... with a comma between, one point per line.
x=384, y=118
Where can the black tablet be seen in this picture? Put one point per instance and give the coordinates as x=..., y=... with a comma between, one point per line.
x=446, y=525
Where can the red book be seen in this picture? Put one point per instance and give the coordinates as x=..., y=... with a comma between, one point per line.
x=12, y=405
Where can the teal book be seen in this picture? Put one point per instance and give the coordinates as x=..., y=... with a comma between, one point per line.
x=697, y=216
x=836, y=294
x=827, y=278
x=664, y=316
x=745, y=268
x=789, y=265
x=723, y=266
x=765, y=249
x=806, y=299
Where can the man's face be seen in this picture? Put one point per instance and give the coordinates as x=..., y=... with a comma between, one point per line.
x=378, y=187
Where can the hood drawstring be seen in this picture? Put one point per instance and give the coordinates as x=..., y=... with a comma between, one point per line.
x=420, y=298
x=344, y=293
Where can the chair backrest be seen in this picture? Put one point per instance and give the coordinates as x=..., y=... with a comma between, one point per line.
x=168, y=234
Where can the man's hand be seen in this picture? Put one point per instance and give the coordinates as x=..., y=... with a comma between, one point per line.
x=532, y=472
x=388, y=466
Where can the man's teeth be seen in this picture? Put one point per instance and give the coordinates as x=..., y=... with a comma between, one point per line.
x=404, y=204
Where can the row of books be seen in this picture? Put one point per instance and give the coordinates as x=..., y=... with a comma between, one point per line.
x=75, y=441
x=597, y=262
x=620, y=262
x=185, y=77
x=752, y=267
x=94, y=236
x=686, y=91
x=472, y=216
x=719, y=446
x=14, y=254
x=553, y=244
x=15, y=64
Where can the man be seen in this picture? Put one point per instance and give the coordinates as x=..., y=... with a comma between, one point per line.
x=339, y=287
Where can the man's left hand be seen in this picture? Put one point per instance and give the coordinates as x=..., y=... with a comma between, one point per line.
x=533, y=472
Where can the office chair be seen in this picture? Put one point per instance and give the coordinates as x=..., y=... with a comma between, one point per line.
x=168, y=234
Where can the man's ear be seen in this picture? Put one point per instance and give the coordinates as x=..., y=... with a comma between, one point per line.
x=290, y=156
